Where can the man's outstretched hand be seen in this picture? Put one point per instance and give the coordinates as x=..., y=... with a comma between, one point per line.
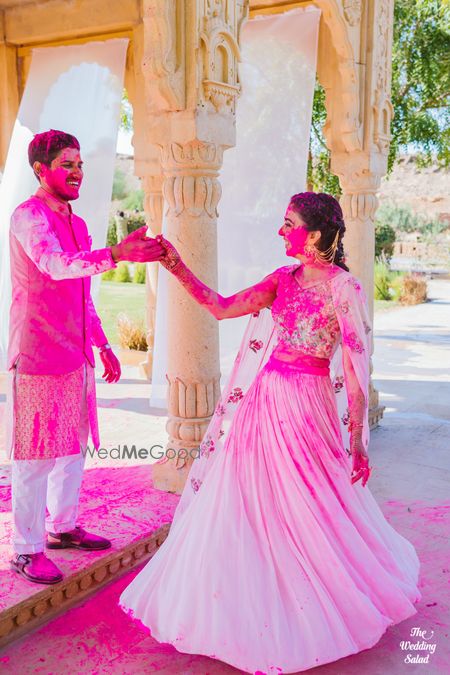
x=137, y=247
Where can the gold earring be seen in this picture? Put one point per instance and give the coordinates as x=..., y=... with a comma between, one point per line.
x=310, y=251
x=326, y=257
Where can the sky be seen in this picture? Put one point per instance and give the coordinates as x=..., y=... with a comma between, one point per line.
x=124, y=146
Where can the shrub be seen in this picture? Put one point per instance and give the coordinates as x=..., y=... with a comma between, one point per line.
x=111, y=236
x=131, y=333
x=382, y=281
x=384, y=240
x=397, y=287
x=135, y=221
x=409, y=289
x=414, y=289
x=122, y=272
x=109, y=275
x=139, y=273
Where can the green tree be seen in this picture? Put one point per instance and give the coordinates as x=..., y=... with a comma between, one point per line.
x=126, y=113
x=420, y=91
x=421, y=79
x=119, y=189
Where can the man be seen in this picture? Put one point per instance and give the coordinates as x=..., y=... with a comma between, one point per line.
x=53, y=324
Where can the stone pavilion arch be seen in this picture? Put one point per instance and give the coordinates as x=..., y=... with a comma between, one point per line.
x=182, y=81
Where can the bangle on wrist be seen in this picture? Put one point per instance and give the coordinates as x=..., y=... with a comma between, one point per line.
x=355, y=425
x=104, y=347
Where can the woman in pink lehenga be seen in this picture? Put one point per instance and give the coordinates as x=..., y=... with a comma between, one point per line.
x=278, y=558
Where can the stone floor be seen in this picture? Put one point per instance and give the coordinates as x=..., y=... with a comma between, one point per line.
x=410, y=453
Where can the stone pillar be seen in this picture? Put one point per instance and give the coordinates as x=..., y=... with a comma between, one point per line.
x=188, y=55
x=359, y=203
x=191, y=192
x=153, y=207
x=354, y=67
x=9, y=95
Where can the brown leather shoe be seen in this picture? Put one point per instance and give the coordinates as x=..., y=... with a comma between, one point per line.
x=36, y=567
x=77, y=538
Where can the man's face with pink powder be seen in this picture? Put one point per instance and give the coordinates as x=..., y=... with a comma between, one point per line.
x=64, y=176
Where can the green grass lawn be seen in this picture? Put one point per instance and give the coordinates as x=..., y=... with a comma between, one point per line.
x=116, y=297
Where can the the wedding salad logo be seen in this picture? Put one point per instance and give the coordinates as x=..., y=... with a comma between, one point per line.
x=419, y=650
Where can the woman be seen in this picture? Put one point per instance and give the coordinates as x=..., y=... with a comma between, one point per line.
x=278, y=558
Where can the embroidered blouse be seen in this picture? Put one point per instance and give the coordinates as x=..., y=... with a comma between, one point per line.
x=305, y=317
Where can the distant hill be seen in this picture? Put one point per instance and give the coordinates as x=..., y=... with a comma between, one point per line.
x=426, y=191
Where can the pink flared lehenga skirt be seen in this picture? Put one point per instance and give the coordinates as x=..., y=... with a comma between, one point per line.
x=279, y=564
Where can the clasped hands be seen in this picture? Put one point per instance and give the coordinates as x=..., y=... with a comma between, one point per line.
x=137, y=247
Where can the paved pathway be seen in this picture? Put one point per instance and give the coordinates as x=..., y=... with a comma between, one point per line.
x=411, y=455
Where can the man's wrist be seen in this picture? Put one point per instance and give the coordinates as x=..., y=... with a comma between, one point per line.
x=115, y=253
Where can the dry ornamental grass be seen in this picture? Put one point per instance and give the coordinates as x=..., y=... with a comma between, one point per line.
x=414, y=290
x=132, y=334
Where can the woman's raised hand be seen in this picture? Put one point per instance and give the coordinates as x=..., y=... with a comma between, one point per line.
x=171, y=257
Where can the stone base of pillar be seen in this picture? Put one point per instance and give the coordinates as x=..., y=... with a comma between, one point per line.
x=146, y=367
x=375, y=415
x=169, y=477
x=375, y=409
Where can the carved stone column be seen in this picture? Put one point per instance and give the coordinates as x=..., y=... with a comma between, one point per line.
x=186, y=84
x=9, y=95
x=354, y=67
x=359, y=203
x=191, y=193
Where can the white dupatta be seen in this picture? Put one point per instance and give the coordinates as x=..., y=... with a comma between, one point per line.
x=257, y=344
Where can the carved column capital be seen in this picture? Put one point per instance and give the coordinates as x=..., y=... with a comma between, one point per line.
x=191, y=183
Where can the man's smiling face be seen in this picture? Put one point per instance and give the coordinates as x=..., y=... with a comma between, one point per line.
x=64, y=176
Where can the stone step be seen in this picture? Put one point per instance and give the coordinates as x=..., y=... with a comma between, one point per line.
x=119, y=503
x=45, y=602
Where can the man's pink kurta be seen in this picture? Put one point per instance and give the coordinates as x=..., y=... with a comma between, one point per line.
x=53, y=324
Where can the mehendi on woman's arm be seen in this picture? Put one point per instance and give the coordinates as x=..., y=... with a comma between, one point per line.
x=244, y=302
x=356, y=402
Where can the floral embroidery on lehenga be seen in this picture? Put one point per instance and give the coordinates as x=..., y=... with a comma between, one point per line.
x=346, y=417
x=338, y=383
x=236, y=395
x=207, y=446
x=220, y=409
x=353, y=341
x=195, y=484
x=255, y=345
